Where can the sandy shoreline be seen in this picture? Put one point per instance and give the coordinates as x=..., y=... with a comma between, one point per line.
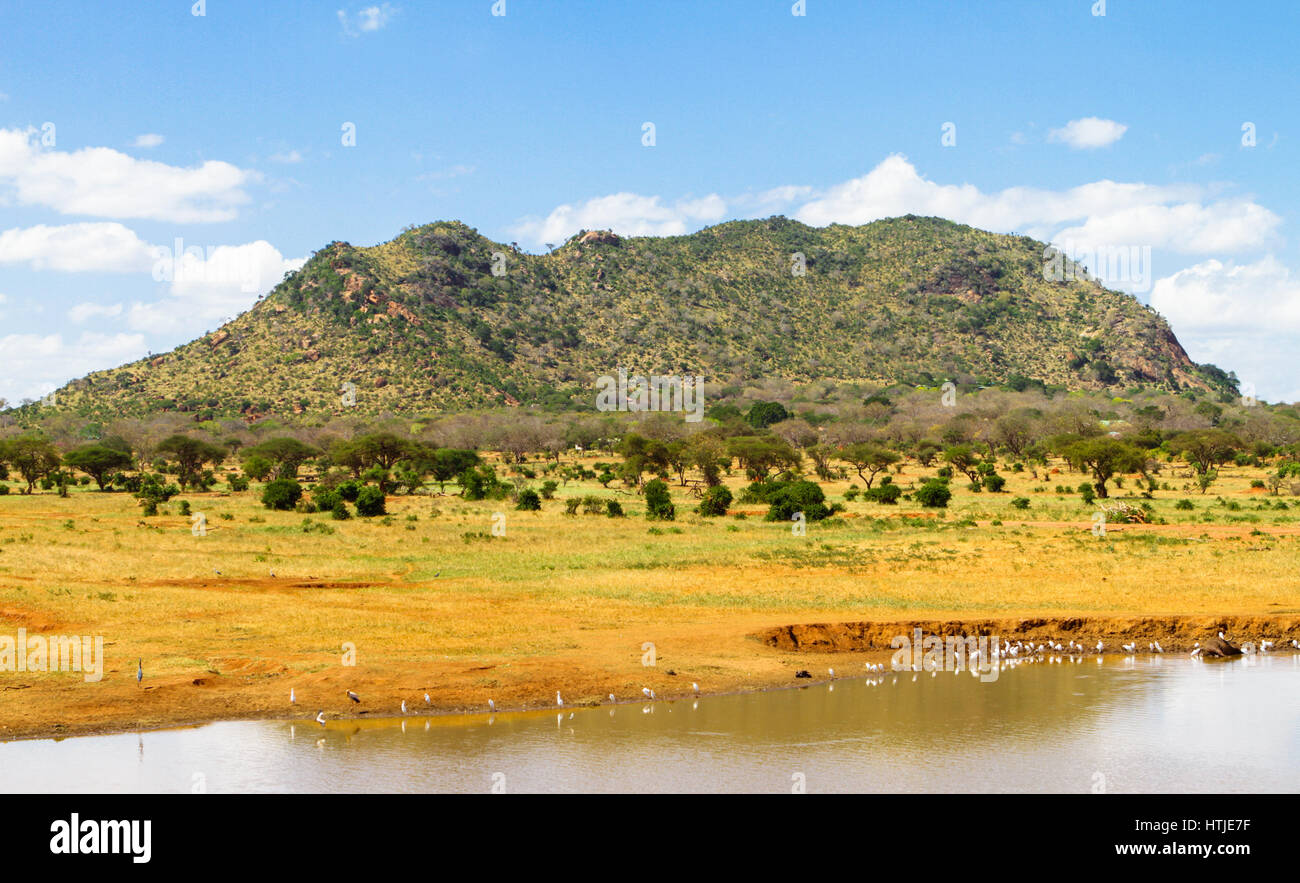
x=750, y=660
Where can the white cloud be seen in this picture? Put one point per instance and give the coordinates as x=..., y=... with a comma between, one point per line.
x=1240, y=316
x=211, y=286
x=77, y=248
x=38, y=364
x=1217, y=297
x=103, y=182
x=289, y=157
x=367, y=20
x=83, y=311
x=148, y=140
x=1088, y=133
x=629, y=214
x=1098, y=213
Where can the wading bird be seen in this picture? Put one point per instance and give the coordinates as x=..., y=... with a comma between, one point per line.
x=611, y=698
x=695, y=687
x=293, y=700
x=320, y=717
x=403, y=706
x=558, y=700
x=426, y=699
x=354, y=697
x=492, y=706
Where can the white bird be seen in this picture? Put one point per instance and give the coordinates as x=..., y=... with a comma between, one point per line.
x=492, y=706
x=611, y=698
x=426, y=699
x=292, y=699
x=1100, y=645
x=1159, y=649
x=695, y=687
x=354, y=697
x=272, y=574
x=832, y=671
x=1221, y=637
x=320, y=717
x=558, y=701
x=403, y=706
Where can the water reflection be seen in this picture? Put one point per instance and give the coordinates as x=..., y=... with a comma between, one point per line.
x=1128, y=724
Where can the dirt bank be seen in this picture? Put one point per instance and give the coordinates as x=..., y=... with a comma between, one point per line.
x=1172, y=632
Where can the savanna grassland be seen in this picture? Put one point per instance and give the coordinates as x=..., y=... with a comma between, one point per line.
x=226, y=624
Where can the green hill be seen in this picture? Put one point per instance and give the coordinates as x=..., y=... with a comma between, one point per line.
x=422, y=323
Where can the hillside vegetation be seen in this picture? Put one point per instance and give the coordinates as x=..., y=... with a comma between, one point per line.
x=423, y=323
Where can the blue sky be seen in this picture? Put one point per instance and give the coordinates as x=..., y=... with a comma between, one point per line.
x=127, y=126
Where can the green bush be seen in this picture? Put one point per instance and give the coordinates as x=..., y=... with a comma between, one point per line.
x=238, y=483
x=349, y=490
x=1088, y=492
x=370, y=502
x=548, y=489
x=613, y=509
x=934, y=494
x=887, y=493
x=339, y=512
x=791, y=497
x=1020, y=502
x=528, y=500
x=282, y=494
x=326, y=498
x=994, y=483
x=1185, y=505
x=715, y=502
x=571, y=505
x=659, y=504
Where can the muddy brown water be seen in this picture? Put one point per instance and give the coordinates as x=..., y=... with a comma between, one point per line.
x=1144, y=724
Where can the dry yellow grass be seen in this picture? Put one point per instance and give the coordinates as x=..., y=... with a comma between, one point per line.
x=437, y=605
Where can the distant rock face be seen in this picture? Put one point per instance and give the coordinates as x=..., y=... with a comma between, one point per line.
x=600, y=237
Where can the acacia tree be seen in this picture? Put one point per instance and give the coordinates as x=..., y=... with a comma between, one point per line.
x=1105, y=457
x=1204, y=449
x=189, y=455
x=759, y=455
x=97, y=461
x=34, y=458
x=964, y=459
x=285, y=454
x=868, y=459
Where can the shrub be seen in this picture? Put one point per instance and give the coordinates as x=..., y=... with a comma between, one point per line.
x=613, y=509
x=994, y=483
x=887, y=493
x=325, y=498
x=1088, y=492
x=238, y=483
x=1020, y=502
x=370, y=502
x=349, y=490
x=592, y=505
x=571, y=506
x=482, y=484
x=659, y=503
x=715, y=502
x=339, y=512
x=1185, y=505
x=790, y=497
x=4, y=489
x=185, y=508
x=282, y=494
x=851, y=494
x=528, y=500
x=934, y=493
x=548, y=489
